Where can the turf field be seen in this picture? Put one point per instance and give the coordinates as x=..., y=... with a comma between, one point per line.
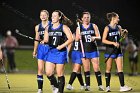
x=25, y=80
x=26, y=83
x=25, y=62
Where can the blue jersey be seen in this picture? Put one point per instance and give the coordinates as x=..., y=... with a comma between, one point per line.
x=56, y=37
x=76, y=46
x=76, y=54
x=42, y=51
x=87, y=33
x=41, y=30
x=114, y=36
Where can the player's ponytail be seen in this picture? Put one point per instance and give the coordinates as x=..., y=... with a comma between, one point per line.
x=110, y=15
x=63, y=19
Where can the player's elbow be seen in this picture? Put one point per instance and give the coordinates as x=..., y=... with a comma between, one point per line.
x=103, y=40
x=71, y=39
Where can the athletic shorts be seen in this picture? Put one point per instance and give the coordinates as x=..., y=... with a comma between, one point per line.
x=113, y=55
x=76, y=57
x=42, y=51
x=91, y=54
x=57, y=57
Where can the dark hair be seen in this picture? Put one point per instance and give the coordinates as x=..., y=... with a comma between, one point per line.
x=110, y=15
x=86, y=13
x=64, y=20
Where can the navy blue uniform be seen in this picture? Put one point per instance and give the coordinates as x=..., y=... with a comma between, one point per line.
x=56, y=37
x=42, y=50
x=90, y=47
x=114, y=36
x=76, y=54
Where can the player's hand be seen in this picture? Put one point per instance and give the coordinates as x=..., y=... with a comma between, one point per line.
x=93, y=38
x=34, y=54
x=42, y=42
x=124, y=33
x=78, y=20
x=79, y=36
x=116, y=44
x=59, y=47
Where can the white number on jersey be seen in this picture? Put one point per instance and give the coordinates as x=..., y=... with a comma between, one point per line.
x=88, y=38
x=54, y=40
x=76, y=46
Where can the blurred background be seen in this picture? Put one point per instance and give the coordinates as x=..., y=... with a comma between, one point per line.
x=24, y=15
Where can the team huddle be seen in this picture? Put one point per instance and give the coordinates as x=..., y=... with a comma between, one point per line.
x=58, y=40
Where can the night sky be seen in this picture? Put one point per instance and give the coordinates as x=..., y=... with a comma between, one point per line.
x=24, y=14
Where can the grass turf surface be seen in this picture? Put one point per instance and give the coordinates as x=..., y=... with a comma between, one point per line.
x=25, y=62
x=26, y=83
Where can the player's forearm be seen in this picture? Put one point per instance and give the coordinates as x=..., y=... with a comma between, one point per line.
x=96, y=37
x=65, y=44
x=107, y=42
x=35, y=46
x=0, y=54
x=69, y=47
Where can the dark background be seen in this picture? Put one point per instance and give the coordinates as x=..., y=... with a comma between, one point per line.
x=24, y=14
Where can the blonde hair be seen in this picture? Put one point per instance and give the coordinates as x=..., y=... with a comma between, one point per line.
x=45, y=12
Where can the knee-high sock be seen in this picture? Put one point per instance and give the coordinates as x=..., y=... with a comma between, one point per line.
x=87, y=78
x=121, y=78
x=40, y=81
x=107, y=78
x=98, y=77
x=61, y=84
x=80, y=79
x=53, y=80
x=72, y=78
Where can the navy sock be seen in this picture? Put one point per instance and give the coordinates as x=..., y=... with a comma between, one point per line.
x=87, y=78
x=121, y=78
x=61, y=84
x=53, y=80
x=98, y=77
x=107, y=78
x=80, y=79
x=72, y=78
x=40, y=81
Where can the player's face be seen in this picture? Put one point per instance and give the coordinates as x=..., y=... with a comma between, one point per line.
x=43, y=16
x=86, y=18
x=116, y=19
x=55, y=17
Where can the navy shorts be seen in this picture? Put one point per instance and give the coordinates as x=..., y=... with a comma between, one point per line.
x=113, y=55
x=57, y=57
x=42, y=51
x=76, y=57
x=94, y=54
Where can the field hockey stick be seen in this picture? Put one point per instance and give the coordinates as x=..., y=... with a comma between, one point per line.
x=23, y=35
x=5, y=73
x=82, y=48
x=124, y=34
